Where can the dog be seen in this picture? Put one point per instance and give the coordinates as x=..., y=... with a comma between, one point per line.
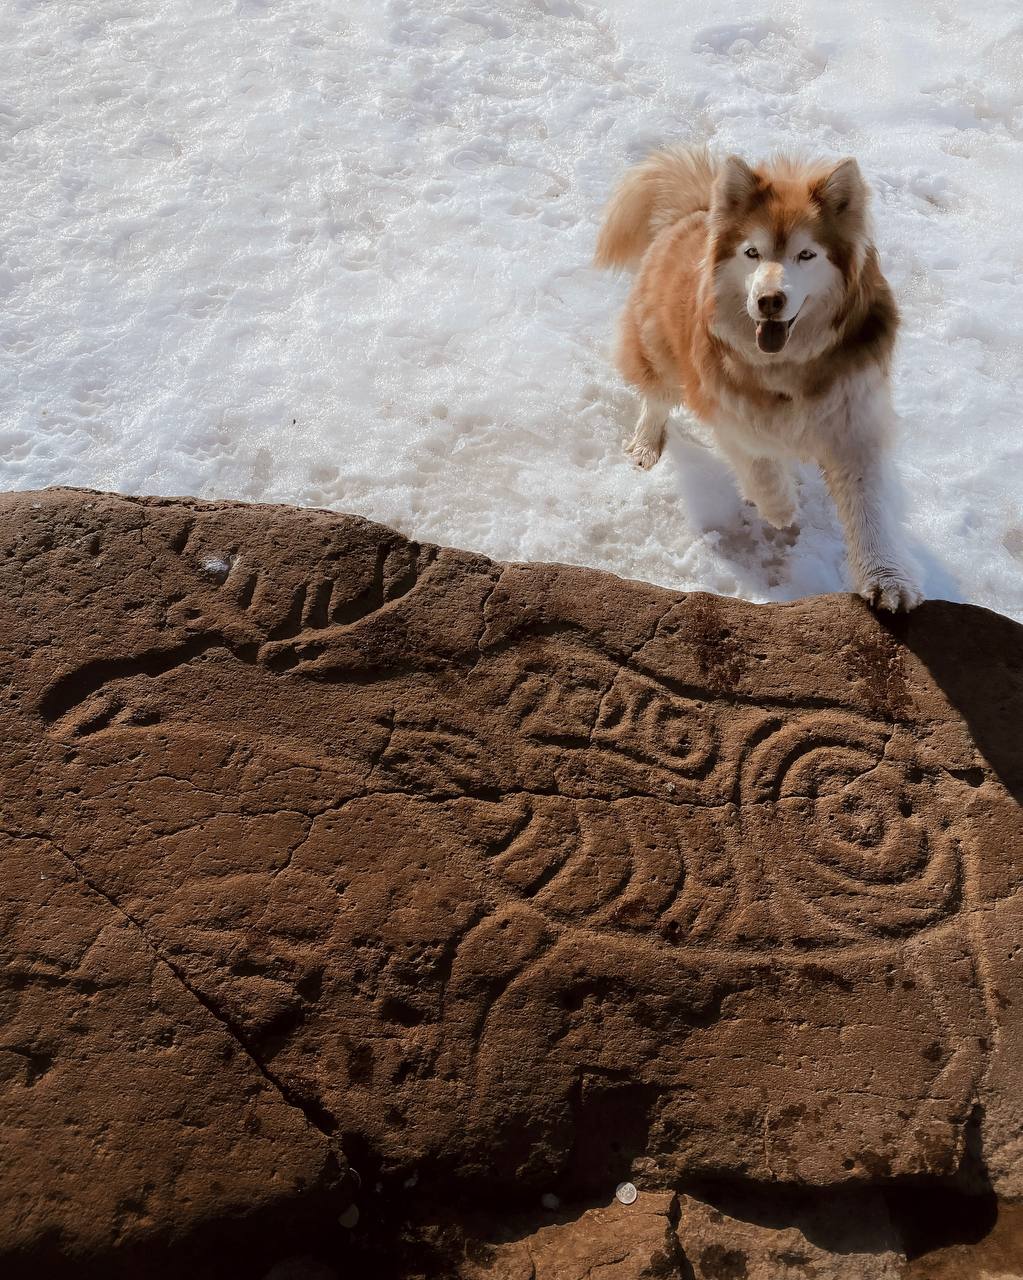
x=759, y=304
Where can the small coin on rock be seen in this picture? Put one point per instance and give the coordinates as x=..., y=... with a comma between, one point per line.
x=626, y=1192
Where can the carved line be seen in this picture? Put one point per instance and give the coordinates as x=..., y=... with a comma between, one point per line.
x=83, y=683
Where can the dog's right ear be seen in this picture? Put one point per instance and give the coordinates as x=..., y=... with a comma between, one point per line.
x=737, y=185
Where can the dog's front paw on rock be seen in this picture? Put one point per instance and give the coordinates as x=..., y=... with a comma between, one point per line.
x=892, y=589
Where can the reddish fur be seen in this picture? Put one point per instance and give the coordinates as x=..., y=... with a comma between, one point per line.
x=666, y=341
x=694, y=330
x=667, y=290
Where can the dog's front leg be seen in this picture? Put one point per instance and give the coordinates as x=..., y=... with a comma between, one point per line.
x=766, y=482
x=647, y=443
x=882, y=568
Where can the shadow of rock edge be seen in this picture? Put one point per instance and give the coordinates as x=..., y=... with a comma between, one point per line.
x=503, y=878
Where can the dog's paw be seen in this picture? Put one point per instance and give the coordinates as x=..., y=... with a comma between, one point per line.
x=891, y=589
x=780, y=512
x=781, y=515
x=642, y=454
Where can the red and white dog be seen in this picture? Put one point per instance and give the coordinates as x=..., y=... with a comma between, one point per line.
x=760, y=305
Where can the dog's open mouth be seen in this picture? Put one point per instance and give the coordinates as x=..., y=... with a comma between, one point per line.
x=773, y=334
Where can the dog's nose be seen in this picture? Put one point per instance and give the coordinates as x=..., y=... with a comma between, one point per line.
x=771, y=303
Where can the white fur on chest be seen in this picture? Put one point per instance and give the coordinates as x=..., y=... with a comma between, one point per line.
x=857, y=408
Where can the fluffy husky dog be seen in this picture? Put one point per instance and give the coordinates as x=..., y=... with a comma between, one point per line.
x=760, y=305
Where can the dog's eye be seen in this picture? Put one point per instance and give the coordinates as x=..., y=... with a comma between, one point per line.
x=751, y=252
x=805, y=255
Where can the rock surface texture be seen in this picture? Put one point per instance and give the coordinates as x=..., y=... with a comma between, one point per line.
x=324, y=849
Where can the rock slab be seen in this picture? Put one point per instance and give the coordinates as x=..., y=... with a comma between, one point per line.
x=321, y=844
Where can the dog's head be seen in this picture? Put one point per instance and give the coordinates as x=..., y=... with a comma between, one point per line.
x=788, y=240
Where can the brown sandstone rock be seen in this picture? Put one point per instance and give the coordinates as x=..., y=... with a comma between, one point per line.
x=755, y=1232
x=504, y=877
x=837, y=1237
x=831, y=1238
x=613, y=1241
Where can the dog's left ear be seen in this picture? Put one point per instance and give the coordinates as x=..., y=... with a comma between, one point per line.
x=842, y=192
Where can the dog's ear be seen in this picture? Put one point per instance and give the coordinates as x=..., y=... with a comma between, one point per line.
x=842, y=192
x=737, y=185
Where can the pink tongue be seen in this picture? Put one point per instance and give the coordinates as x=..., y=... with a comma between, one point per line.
x=772, y=335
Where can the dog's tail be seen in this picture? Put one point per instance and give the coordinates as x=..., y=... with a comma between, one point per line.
x=667, y=186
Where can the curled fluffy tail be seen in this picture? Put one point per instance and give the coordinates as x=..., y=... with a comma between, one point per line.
x=667, y=186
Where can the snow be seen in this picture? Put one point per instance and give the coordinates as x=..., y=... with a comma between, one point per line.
x=338, y=254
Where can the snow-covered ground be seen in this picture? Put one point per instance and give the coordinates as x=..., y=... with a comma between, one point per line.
x=336, y=252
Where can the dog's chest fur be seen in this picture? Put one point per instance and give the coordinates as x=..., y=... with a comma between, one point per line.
x=780, y=410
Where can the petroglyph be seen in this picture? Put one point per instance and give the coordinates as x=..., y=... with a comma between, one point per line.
x=515, y=873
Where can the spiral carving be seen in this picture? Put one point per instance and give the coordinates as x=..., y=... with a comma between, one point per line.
x=827, y=833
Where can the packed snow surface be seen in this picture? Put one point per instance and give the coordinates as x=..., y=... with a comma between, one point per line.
x=337, y=252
